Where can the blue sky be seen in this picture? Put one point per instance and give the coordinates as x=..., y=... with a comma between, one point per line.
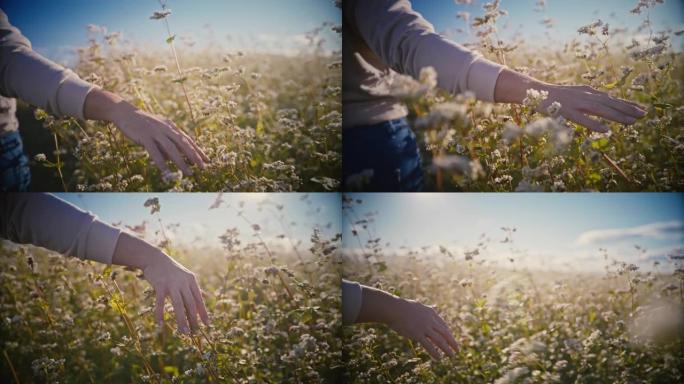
x=54, y=27
x=568, y=15
x=554, y=228
x=198, y=221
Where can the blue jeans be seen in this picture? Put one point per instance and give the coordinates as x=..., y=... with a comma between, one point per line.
x=383, y=157
x=15, y=174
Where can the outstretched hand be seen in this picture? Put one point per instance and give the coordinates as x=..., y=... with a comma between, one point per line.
x=577, y=102
x=410, y=319
x=167, y=277
x=161, y=139
x=171, y=279
x=580, y=102
x=422, y=324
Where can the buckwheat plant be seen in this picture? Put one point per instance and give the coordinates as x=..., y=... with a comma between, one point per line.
x=275, y=317
x=517, y=324
x=469, y=145
x=268, y=122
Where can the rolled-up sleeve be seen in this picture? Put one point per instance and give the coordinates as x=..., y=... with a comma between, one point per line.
x=50, y=222
x=26, y=75
x=406, y=42
x=351, y=301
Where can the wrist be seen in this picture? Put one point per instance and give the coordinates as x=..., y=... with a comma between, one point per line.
x=511, y=87
x=134, y=252
x=106, y=106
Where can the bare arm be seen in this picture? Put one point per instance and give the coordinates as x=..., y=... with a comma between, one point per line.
x=160, y=137
x=577, y=102
x=31, y=77
x=167, y=277
x=47, y=221
x=409, y=318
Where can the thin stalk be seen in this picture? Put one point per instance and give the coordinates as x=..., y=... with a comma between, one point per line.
x=59, y=163
x=178, y=67
x=14, y=373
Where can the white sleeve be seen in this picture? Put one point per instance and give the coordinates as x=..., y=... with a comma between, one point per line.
x=47, y=221
x=406, y=42
x=351, y=301
x=26, y=75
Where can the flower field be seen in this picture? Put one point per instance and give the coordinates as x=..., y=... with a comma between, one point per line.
x=274, y=311
x=515, y=323
x=476, y=146
x=268, y=122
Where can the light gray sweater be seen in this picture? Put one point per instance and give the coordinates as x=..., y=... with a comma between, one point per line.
x=390, y=35
x=50, y=222
x=26, y=75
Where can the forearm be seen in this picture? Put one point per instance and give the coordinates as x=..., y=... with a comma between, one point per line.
x=134, y=252
x=378, y=306
x=511, y=86
x=105, y=106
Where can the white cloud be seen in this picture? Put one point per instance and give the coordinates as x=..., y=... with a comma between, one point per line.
x=658, y=230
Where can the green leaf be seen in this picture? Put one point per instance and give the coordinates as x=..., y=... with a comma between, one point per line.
x=107, y=272
x=116, y=302
x=600, y=144
x=592, y=316
x=170, y=39
x=171, y=370
x=611, y=85
x=180, y=80
x=662, y=105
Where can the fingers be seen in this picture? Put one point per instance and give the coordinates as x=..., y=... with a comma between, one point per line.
x=430, y=348
x=439, y=341
x=184, y=145
x=199, y=300
x=581, y=119
x=171, y=152
x=623, y=106
x=156, y=156
x=443, y=329
x=191, y=308
x=608, y=113
x=159, y=308
x=179, y=310
x=197, y=150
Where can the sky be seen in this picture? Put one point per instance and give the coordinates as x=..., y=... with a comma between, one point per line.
x=202, y=226
x=56, y=27
x=568, y=15
x=555, y=229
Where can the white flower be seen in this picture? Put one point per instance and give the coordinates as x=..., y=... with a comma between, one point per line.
x=535, y=97
x=440, y=113
x=390, y=83
x=459, y=164
x=540, y=126
x=554, y=108
x=172, y=177
x=511, y=131
x=40, y=157
x=512, y=376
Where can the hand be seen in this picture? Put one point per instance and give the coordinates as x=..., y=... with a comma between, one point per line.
x=421, y=323
x=160, y=137
x=577, y=102
x=169, y=278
